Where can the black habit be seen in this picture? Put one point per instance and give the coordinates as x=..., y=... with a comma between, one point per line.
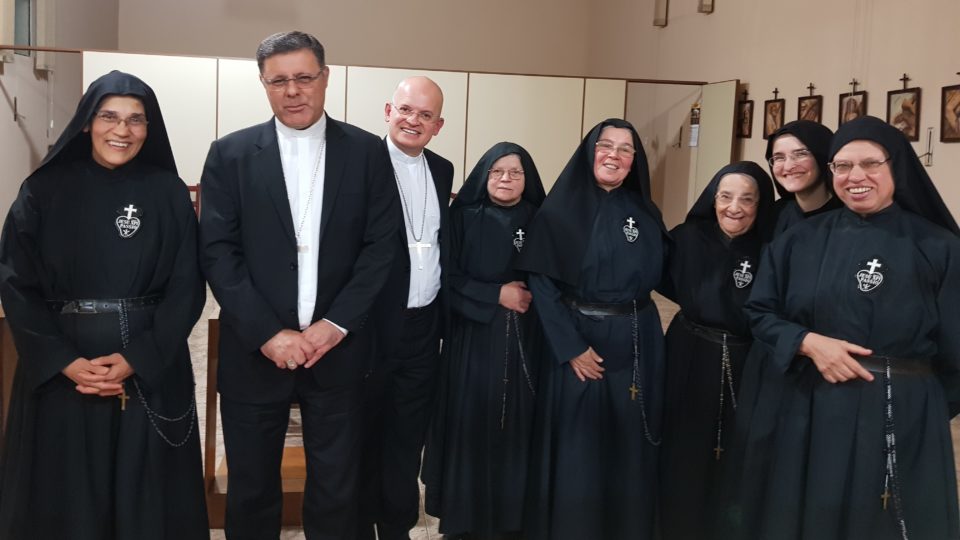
x=476, y=458
x=710, y=276
x=886, y=281
x=77, y=466
x=596, y=443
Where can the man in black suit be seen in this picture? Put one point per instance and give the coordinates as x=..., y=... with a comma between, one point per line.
x=400, y=392
x=298, y=237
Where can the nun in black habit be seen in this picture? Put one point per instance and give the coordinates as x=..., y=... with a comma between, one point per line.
x=596, y=249
x=797, y=155
x=100, y=284
x=712, y=266
x=476, y=456
x=860, y=310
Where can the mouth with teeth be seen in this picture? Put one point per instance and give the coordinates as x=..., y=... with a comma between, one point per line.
x=118, y=145
x=411, y=132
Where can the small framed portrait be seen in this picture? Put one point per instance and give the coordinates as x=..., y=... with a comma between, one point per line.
x=852, y=106
x=903, y=111
x=772, y=116
x=745, y=119
x=810, y=108
x=950, y=114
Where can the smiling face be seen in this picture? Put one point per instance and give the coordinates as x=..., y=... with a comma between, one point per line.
x=864, y=192
x=502, y=188
x=611, y=166
x=796, y=175
x=736, y=204
x=414, y=114
x=115, y=144
x=295, y=107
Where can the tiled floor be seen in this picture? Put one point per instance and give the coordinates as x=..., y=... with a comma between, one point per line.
x=427, y=527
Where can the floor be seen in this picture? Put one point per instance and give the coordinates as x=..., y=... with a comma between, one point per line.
x=426, y=529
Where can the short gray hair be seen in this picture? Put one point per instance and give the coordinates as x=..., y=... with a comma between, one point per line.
x=285, y=42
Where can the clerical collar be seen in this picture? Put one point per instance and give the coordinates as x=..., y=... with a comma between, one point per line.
x=317, y=131
x=397, y=155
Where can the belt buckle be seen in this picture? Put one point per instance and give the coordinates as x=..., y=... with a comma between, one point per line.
x=87, y=306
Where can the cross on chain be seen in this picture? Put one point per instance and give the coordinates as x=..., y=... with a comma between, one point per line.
x=776, y=93
x=874, y=264
x=905, y=79
x=634, y=391
x=885, y=497
x=123, y=397
x=716, y=452
x=130, y=209
x=419, y=246
x=854, y=83
x=744, y=266
x=811, y=88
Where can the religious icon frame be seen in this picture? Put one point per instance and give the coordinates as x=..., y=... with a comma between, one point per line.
x=950, y=113
x=860, y=98
x=744, y=130
x=773, y=109
x=895, y=102
x=810, y=103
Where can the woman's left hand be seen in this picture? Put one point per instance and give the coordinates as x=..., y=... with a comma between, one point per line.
x=120, y=370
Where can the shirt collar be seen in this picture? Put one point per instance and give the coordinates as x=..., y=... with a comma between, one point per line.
x=317, y=131
x=397, y=155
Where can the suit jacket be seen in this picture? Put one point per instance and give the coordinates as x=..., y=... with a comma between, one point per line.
x=395, y=294
x=248, y=254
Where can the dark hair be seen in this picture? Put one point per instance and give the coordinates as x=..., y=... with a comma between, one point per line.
x=285, y=42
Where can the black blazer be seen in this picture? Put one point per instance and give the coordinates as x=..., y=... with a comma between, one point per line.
x=394, y=298
x=248, y=253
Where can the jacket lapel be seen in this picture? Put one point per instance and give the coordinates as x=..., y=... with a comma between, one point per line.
x=268, y=169
x=337, y=154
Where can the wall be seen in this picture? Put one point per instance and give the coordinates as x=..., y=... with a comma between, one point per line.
x=533, y=36
x=788, y=45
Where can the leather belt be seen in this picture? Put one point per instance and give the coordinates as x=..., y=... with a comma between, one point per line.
x=94, y=306
x=712, y=334
x=898, y=366
x=597, y=309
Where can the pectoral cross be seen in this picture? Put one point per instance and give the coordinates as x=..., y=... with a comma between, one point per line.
x=633, y=392
x=885, y=497
x=130, y=209
x=123, y=397
x=874, y=264
x=717, y=451
x=419, y=246
x=744, y=266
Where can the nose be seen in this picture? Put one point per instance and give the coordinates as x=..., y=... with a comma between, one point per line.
x=291, y=89
x=121, y=127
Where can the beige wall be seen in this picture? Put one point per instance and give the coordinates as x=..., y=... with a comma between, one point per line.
x=788, y=45
x=532, y=36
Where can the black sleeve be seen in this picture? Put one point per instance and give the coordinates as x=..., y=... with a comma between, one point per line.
x=558, y=325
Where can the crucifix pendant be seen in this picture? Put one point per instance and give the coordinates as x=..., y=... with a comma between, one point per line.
x=123, y=397
x=633, y=391
x=885, y=497
x=716, y=452
x=419, y=246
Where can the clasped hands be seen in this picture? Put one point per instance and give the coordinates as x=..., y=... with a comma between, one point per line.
x=833, y=358
x=290, y=349
x=102, y=376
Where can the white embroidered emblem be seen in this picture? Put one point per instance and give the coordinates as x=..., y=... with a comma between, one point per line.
x=128, y=224
x=518, y=239
x=742, y=276
x=631, y=232
x=870, y=279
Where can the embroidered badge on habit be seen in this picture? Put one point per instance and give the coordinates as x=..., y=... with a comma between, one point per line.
x=630, y=231
x=518, y=236
x=128, y=222
x=869, y=278
x=742, y=276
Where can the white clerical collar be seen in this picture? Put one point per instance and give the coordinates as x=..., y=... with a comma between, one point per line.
x=317, y=131
x=397, y=154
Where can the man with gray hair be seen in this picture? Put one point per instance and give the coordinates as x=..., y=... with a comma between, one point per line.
x=298, y=238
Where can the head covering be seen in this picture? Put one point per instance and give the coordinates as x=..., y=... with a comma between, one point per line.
x=475, y=187
x=816, y=137
x=703, y=209
x=913, y=189
x=560, y=231
x=75, y=144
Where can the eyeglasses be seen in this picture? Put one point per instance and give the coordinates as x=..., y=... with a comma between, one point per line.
x=426, y=117
x=725, y=199
x=134, y=121
x=846, y=167
x=797, y=156
x=496, y=174
x=301, y=81
x=607, y=147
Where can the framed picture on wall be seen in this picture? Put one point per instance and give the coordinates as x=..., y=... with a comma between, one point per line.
x=852, y=106
x=810, y=108
x=744, y=119
x=903, y=111
x=950, y=114
x=772, y=116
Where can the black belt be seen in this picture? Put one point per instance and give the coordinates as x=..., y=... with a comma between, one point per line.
x=111, y=305
x=597, y=309
x=898, y=366
x=715, y=335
